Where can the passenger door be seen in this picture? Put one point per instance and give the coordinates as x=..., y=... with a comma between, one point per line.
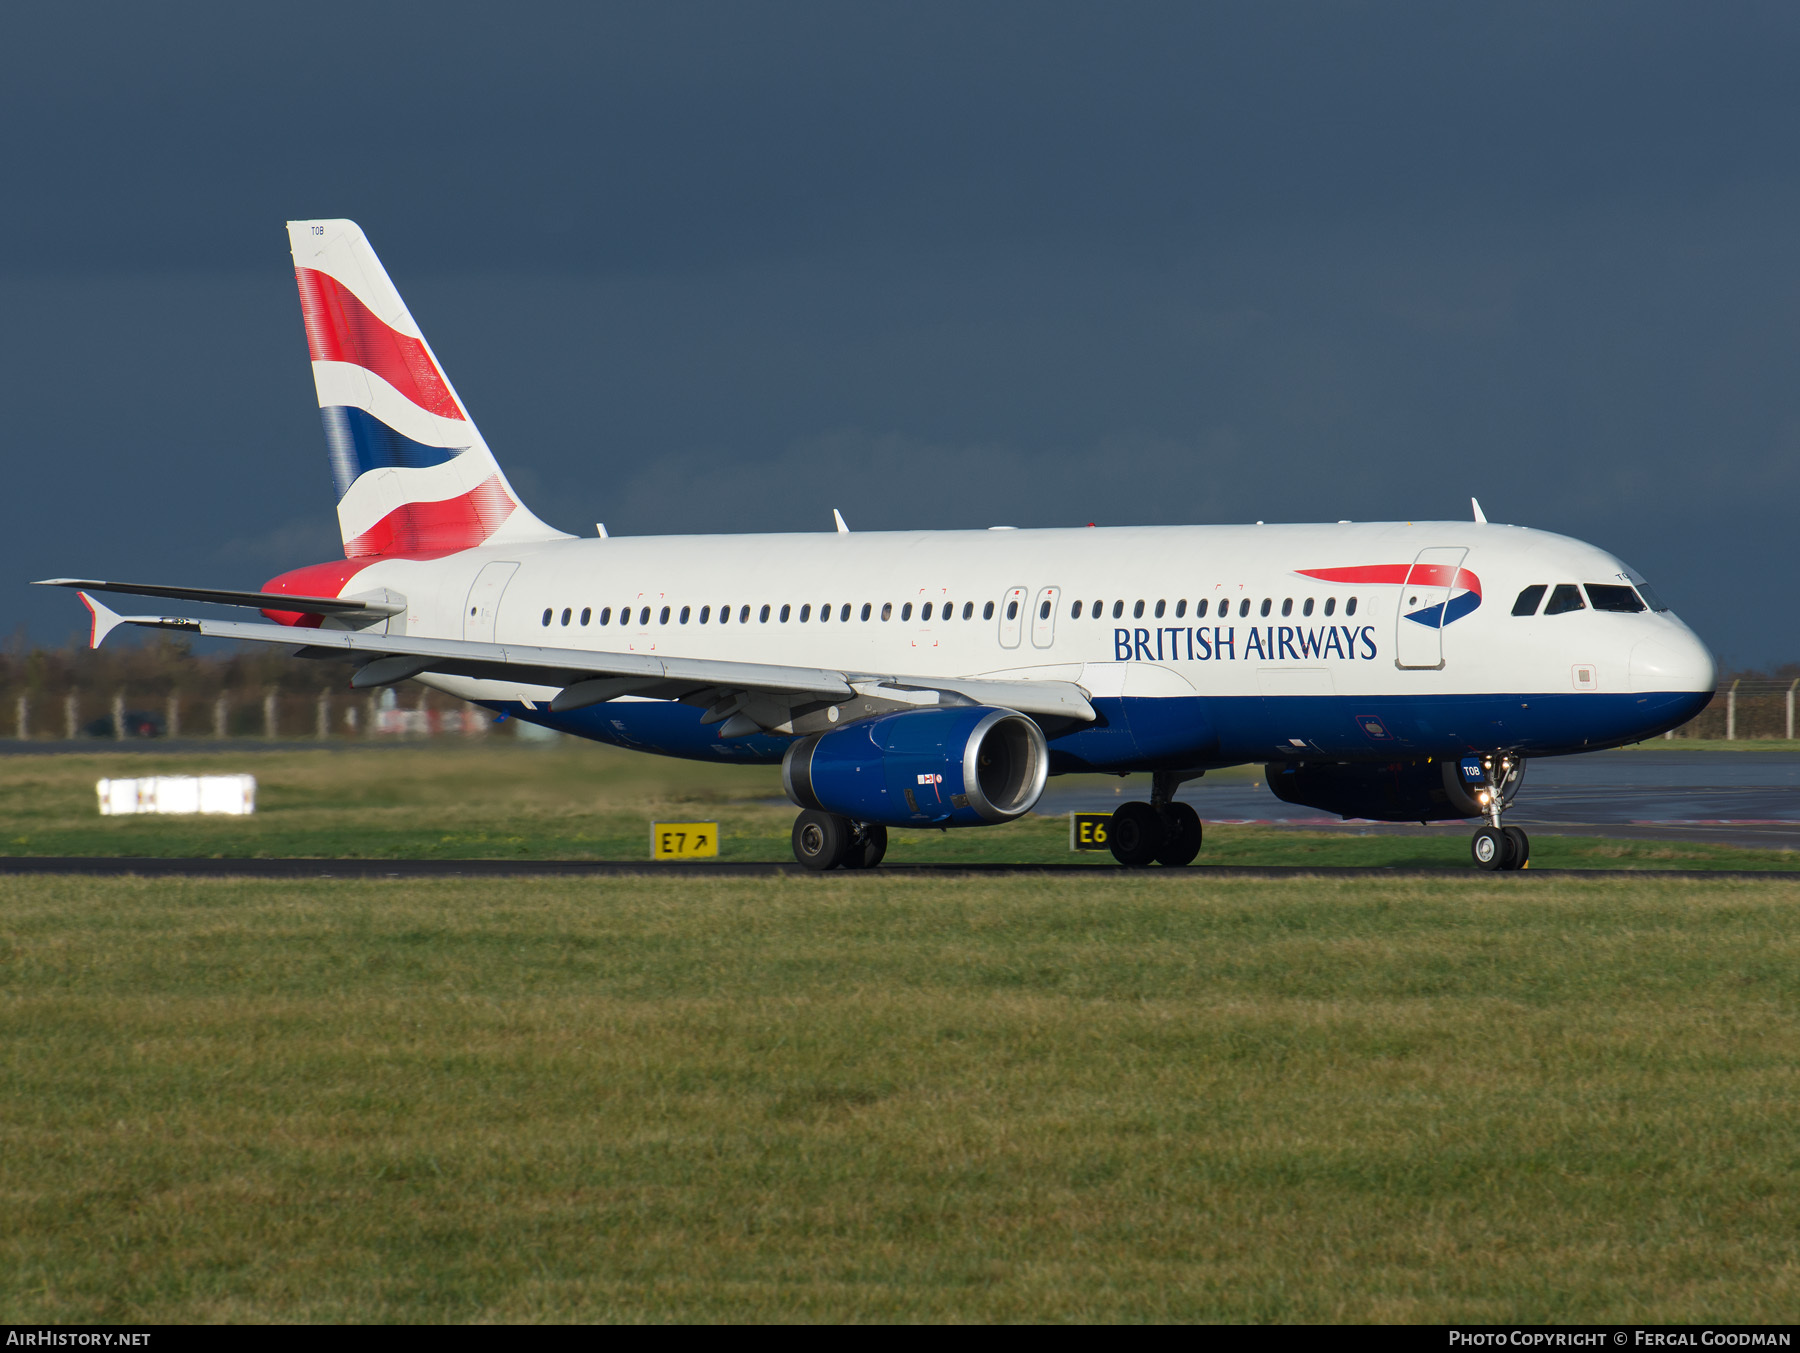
x=482, y=611
x=1419, y=624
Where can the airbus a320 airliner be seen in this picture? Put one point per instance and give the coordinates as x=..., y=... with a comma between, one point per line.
x=933, y=679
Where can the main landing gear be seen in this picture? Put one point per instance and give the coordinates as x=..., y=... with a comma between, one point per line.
x=1494, y=846
x=829, y=841
x=1161, y=831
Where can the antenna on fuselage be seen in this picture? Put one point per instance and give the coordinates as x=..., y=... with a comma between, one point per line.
x=838, y=517
x=1480, y=516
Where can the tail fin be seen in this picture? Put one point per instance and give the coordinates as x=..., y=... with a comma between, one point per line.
x=413, y=475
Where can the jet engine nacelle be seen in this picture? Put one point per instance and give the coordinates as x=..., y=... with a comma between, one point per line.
x=1406, y=791
x=966, y=766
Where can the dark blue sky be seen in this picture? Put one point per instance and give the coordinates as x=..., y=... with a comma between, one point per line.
x=724, y=267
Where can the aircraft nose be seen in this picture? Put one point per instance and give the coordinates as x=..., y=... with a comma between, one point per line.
x=1672, y=663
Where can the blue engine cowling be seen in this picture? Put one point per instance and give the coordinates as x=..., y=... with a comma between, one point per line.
x=1406, y=791
x=967, y=766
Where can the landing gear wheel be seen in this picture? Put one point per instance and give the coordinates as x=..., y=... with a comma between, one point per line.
x=1491, y=849
x=821, y=840
x=867, y=847
x=1521, y=845
x=1137, y=834
x=1183, y=826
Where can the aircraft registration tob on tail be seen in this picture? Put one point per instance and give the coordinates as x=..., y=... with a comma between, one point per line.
x=1400, y=672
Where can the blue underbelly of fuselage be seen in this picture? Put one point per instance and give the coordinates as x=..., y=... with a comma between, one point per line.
x=1137, y=734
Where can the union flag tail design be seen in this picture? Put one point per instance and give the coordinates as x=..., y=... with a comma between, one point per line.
x=413, y=475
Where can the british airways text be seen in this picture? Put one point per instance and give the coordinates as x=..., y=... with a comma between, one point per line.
x=1269, y=643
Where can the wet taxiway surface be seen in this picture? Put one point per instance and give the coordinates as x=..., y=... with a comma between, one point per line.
x=1731, y=798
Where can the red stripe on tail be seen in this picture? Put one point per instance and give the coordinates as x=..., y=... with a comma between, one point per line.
x=340, y=328
x=459, y=523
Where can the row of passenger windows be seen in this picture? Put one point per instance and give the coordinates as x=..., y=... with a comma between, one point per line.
x=1265, y=607
x=945, y=611
x=1566, y=597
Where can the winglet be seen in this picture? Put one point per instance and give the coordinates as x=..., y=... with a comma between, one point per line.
x=838, y=517
x=1480, y=516
x=106, y=620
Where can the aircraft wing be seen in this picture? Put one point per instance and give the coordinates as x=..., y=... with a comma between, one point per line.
x=747, y=696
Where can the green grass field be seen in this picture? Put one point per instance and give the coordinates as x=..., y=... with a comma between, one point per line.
x=592, y=802
x=1145, y=1097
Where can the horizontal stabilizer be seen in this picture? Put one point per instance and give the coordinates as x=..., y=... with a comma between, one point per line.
x=219, y=596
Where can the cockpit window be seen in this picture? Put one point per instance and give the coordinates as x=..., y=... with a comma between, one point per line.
x=1653, y=601
x=1614, y=597
x=1527, y=603
x=1566, y=597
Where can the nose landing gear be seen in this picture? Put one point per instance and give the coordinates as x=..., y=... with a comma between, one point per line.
x=1495, y=847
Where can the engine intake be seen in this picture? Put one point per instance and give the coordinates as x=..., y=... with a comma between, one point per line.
x=967, y=766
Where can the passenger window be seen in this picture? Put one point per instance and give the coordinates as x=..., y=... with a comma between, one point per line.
x=1137, y=612
x=1287, y=606
x=565, y=615
x=947, y=611
x=1614, y=597
x=1099, y=609
x=546, y=618
x=663, y=618
x=1044, y=611
x=1200, y=609
x=1350, y=606
x=1075, y=611
x=844, y=615
x=865, y=610
x=1118, y=609
x=1160, y=607
x=968, y=609
x=587, y=614
x=1566, y=597
x=925, y=614
x=887, y=610
x=1180, y=609
x=786, y=611
x=686, y=611
x=1266, y=605
x=1012, y=610
x=762, y=616
x=744, y=615
x=644, y=616
x=805, y=613
x=987, y=611
x=1244, y=608
x=906, y=611
x=825, y=613
x=705, y=614
x=1307, y=609
x=606, y=615
x=1527, y=603
x=1330, y=605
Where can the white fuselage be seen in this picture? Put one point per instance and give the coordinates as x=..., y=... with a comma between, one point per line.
x=1171, y=620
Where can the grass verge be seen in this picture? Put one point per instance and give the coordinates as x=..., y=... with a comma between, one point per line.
x=879, y=1099
x=595, y=802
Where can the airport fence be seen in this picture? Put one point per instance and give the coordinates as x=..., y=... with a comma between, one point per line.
x=164, y=690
